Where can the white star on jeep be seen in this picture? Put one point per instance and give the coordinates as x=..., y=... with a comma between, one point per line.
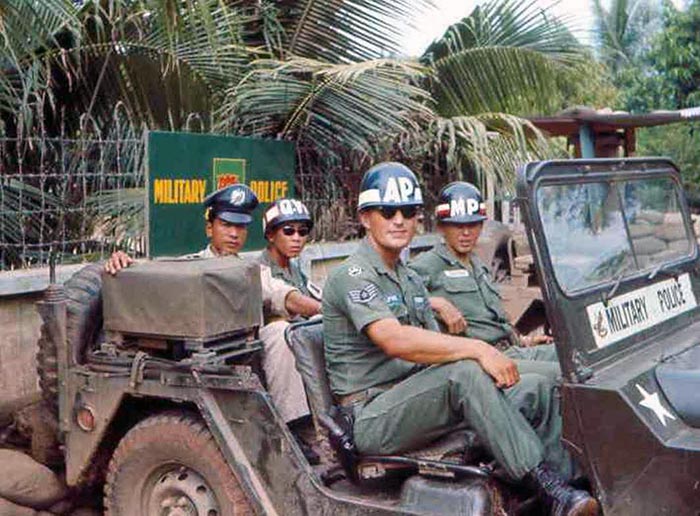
x=653, y=403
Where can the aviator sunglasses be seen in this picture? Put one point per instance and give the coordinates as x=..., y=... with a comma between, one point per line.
x=408, y=212
x=290, y=230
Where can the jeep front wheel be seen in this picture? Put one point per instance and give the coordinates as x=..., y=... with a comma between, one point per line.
x=170, y=465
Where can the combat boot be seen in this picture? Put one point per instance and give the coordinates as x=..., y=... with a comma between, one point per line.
x=561, y=498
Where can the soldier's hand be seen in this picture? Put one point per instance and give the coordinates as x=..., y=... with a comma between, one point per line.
x=502, y=369
x=118, y=261
x=528, y=341
x=449, y=314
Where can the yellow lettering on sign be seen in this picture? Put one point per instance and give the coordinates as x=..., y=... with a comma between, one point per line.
x=269, y=191
x=179, y=191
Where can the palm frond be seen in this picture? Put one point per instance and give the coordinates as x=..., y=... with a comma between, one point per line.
x=489, y=145
x=507, y=23
x=304, y=99
x=506, y=56
x=500, y=79
x=163, y=59
x=119, y=215
x=344, y=31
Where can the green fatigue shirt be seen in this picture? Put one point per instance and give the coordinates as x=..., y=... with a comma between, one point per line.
x=360, y=291
x=293, y=275
x=471, y=289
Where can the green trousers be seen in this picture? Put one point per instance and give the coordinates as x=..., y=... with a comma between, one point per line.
x=544, y=358
x=521, y=426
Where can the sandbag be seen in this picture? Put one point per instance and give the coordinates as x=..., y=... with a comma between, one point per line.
x=671, y=232
x=26, y=482
x=680, y=247
x=652, y=216
x=86, y=511
x=7, y=508
x=648, y=245
x=639, y=230
x=673, y=217
x=62, y=507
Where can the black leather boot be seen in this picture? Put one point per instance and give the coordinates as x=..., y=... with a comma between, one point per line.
x=562, y=499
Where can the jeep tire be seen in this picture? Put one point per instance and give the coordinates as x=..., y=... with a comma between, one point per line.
x=170, y=464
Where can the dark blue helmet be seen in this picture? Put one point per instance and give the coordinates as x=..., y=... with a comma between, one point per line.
x=285, y=210
x=233, y=204
x=389, y=184
x=460, y=203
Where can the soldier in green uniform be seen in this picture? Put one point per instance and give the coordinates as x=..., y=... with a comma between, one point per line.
x=286, y=226
x=462, y=291
x=406, y=383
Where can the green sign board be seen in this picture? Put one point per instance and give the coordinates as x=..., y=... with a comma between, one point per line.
x=183, y=168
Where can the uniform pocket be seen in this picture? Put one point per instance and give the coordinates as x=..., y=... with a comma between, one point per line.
x=458, y=285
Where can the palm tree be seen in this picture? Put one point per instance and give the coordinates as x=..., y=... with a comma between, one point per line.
x=624, y=30
x=323, y=73
x=443, y=113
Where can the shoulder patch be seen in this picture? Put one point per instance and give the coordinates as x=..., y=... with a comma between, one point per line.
x=354, y=271
x=363, y=295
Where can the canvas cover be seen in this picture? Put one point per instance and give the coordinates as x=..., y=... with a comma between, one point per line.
x=192, y=299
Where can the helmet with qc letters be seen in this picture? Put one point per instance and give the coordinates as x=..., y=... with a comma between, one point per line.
x=234, y=204
x=389, y=184
x=285, y=210
x=460, y=203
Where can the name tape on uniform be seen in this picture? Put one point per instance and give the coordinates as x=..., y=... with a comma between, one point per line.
x=640, y=309
x=457, y=273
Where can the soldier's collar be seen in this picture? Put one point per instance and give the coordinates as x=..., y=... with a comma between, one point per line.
x=444, y=252
x=375, y=260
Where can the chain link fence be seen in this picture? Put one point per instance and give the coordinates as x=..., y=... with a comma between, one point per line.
x=80, y=198
x=74, y=198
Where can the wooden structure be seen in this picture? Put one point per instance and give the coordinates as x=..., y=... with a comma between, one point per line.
x=602, y=134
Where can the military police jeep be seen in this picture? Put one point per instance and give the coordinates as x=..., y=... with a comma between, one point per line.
x=160, y=398
x=620, y=273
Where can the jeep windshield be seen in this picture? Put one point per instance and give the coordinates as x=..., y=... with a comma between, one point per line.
x=603, y=231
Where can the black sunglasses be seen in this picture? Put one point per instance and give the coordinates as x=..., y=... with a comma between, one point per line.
x=290, y=230
x=408, y=212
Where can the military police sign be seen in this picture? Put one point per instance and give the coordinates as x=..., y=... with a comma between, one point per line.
x=183, y=168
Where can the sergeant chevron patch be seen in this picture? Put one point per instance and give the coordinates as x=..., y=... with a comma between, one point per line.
x=364, y=295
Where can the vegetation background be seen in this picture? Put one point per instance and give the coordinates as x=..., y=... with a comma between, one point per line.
x=328, y=75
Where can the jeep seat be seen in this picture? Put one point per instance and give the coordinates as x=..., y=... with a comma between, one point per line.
x=306, y=342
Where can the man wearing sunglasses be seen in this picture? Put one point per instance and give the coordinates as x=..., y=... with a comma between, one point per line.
x=405, y=383
x=228, y=212
x=463, y=295
x=287, y=225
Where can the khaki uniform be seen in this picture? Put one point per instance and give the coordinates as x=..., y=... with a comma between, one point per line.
x=402, y=405
x=283, y=380
x=472, y=290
